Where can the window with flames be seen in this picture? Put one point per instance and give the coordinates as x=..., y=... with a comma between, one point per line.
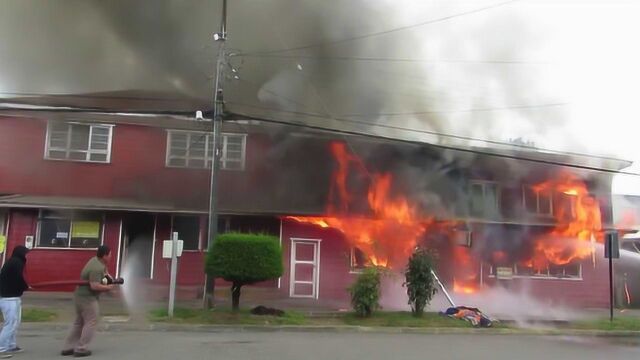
x=359, y=260
x=567, y=271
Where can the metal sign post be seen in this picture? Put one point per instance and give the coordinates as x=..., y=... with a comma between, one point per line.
x=174, y=272
x=611, y=251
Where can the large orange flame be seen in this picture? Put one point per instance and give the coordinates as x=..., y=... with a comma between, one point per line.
x=578, y=223
x=390, y=232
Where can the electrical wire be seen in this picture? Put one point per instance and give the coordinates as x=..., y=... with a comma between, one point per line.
x=360, y=37
x=436, y=133
x=446, y=147
x=359, y=133
x=392, y=60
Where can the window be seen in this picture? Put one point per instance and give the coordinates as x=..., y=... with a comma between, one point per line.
x=568, y=271
x=537, y=201
x=69, y=230
x=78, y=142
x=188, y=229
x=195, y=150
x=358, y=260
x=484, y=199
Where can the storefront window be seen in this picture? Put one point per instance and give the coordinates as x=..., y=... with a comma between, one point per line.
x=58, y=229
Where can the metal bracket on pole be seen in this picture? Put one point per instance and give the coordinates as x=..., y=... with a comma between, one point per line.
x=174, y=272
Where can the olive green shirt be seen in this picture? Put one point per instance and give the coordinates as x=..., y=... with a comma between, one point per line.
x=93, y=271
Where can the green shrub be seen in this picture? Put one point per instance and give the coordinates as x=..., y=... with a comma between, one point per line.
x=244, y=259
x=365, y=292
x=419, y=280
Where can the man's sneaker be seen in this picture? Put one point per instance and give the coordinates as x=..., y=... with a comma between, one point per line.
x=66, y=352
x=81, y=353
x=15, y=350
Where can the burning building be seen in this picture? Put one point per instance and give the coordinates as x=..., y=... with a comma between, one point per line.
x=338, y=203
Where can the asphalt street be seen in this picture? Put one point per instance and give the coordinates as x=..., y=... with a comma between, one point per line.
x=326, y=345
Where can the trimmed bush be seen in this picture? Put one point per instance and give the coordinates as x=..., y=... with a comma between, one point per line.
x=419, y=280
x=365, y=292
x=244, y=259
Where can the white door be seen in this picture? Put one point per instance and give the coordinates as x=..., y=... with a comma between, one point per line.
x=305, y=268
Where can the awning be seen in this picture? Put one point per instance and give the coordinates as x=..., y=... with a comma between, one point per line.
x=84, y=203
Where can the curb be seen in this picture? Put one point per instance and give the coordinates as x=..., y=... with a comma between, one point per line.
x=160, y=327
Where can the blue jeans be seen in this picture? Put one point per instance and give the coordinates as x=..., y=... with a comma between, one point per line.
x=12, y=313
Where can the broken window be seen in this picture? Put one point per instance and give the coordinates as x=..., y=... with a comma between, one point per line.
x=359, y=260
x=526, y=269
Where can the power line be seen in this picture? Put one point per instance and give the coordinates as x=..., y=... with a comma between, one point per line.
x=488, y=109
x=399, y=60
x=302, y=124
x=348, y=132
x=359, y=37
x=435, y=133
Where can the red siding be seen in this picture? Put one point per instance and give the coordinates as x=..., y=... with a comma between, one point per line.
x=190, y=264
x=335, y=276
x=137, y=167
x=590, y=292
x=56, y=264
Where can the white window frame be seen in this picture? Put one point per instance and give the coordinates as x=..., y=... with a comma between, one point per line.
x=541, y=275
x=207, y=151
x=484, y=184
x=68, y=247
x=87, y=152
x=538, y=211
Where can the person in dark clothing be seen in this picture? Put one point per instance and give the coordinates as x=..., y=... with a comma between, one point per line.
x=12, y=286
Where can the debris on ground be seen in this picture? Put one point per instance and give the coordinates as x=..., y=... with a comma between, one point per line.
x=472, y=315
x=263, y=310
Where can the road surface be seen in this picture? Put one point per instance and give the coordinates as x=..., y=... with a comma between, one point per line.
x=325, y=346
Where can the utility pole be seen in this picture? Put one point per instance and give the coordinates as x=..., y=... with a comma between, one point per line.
x=218, y=111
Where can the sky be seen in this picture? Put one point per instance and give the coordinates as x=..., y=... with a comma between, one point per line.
x=581, y=54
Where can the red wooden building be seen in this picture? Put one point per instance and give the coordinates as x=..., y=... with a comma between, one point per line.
x=68, y=185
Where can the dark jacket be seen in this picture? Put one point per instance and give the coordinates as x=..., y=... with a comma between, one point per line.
x=12, y=283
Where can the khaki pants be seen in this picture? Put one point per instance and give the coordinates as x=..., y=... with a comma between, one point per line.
x=84, y=326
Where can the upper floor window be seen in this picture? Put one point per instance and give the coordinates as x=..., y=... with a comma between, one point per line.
x=79, y=142
x=484, y=199
x=195, y=150
x=58, y=229
x=537, y=201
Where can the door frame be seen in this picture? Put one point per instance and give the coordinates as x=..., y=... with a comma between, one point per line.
x=316, y=267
